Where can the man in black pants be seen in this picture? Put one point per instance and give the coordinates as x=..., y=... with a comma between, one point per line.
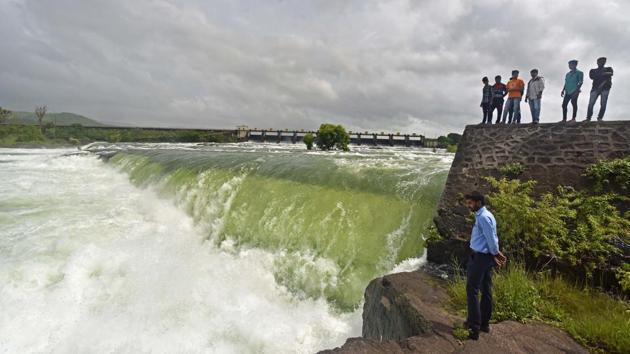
x=486, y=101
x=571, y=91
x=484, y=245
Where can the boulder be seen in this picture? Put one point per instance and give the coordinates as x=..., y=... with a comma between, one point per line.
x=405, y=313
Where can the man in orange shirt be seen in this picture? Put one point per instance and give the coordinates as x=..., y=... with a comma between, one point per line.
x=515, y=88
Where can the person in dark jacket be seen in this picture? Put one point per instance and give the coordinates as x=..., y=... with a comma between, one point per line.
x=486, y=101
x=602, y=82
x=499, y=90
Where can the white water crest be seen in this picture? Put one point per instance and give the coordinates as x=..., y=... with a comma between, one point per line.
x=94, y=258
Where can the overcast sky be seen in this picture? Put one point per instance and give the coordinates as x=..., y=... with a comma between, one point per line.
x=409, y=66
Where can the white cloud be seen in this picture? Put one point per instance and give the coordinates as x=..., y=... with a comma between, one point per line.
x=398, y=65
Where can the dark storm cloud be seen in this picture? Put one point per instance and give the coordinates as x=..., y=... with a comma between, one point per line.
x=383, y=65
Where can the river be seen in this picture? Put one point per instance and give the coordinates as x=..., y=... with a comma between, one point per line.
x=229, y=248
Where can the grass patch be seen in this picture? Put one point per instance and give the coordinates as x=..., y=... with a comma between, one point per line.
x=459, y=331
x=593, y=318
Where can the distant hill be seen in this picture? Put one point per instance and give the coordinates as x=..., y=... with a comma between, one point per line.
x=63, y=118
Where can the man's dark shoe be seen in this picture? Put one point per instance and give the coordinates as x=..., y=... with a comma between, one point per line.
x=473, y=335
x=485, y=329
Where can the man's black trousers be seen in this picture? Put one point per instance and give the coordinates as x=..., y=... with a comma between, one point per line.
x=479, y=277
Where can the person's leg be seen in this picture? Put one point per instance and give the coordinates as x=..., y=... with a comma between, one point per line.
x=574, y=103
x=474, y=275
x=603, y=103
x=565, y=103
x=538, y=106
x=491, y=112
x=487, y=119
x=517, y=110
x=591, y=104
x=511, y=110
x=486, y=293
x=532, y=109
x=506, y=110
x=499, y=111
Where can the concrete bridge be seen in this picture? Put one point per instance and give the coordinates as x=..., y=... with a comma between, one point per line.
x=243, y=133
x=357, y=138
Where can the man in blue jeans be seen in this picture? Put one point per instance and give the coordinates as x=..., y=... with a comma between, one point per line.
x=535, y=88
x=484, y=245
x=602, y=82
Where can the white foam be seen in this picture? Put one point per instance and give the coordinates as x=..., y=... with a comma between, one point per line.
x=89, y=263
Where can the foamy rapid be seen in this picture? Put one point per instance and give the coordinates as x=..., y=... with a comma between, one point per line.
x=177, y=248
x=89, y=263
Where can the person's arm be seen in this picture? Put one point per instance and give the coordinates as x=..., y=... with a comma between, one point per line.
x=522, y=88
x=542, y=88
x=529, y=87
x=580, y=80
x=591, y=74
x=564, y=88
x=489, y=232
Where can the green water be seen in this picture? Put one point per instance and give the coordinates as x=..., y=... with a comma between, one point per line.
x=334, y=220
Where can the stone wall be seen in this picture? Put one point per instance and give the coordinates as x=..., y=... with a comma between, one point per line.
x=552, y=154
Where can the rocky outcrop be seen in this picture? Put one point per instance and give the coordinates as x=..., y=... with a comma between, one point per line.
x=402, y=305
x=406, y=313
x=552, y=154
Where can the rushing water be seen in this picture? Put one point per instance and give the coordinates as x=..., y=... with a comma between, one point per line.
x=183, y=248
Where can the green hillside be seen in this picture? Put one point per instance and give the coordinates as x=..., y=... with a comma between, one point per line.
x=62, y=118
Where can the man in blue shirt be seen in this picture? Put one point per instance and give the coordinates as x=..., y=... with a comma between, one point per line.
x=484, y=244
x=571, y=91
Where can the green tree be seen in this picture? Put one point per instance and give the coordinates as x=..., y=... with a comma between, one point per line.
x=40, y=112
x=331, y=136
x=309, y=140
x=443, y=141
x=454, y=138
x=4, y=115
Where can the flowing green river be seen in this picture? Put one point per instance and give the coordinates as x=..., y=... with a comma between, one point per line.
x=234, y=248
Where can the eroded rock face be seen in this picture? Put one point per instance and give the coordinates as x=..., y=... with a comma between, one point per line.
x=391, y=311
x=405, y=313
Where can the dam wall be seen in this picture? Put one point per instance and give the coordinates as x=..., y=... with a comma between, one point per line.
x=552, y=154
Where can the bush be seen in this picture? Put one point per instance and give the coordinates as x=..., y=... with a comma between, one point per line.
x=331, y=136
x=512, y=170
x=613, y=174
x=308, y=140
x=568, y=227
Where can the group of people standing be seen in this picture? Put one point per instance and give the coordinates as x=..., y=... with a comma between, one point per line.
x=509, y=111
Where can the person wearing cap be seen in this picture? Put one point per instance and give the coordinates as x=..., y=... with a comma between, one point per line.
x=499, y=91
x=535, y=88
x=602, y=82
x=486, y=100
x=571, y=91
x=515, y=88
